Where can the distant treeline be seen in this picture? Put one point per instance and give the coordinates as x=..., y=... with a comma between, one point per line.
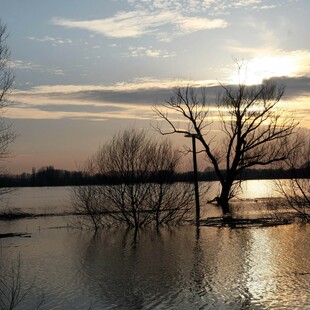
x=49, y=176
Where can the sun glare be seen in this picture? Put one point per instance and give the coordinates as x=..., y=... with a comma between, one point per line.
x=264, y=67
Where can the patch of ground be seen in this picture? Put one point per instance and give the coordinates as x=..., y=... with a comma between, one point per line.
x=11, y=235
x=245, y=222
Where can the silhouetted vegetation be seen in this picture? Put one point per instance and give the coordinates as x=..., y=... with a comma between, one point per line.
x=296, y=188
x=253, y=131
x=13, y=214
x=50, y=176
x=13, y=289
x=145, y=194
x=7, y=136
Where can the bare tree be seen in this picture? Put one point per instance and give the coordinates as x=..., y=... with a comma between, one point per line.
x=137, y=173
x=296, y=189
x=7, y=136
x=87, y=201
x=13, y=290
x=6, y=81
x=253, y=130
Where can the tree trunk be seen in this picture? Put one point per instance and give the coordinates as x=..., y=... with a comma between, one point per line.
x=158, y=208
x=223, y=200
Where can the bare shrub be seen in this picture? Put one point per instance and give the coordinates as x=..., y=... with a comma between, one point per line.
x=296, y=189
x=7, y=135
x=13, y=289
x=138, y=189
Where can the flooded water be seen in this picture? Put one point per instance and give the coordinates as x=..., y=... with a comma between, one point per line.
x=57, y=199
x=176, y=268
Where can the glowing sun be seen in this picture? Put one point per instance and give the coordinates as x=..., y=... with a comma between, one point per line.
x=264, y=67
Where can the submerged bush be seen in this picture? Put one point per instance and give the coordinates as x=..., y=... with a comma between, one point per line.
x=138, y=188
x=296, y=190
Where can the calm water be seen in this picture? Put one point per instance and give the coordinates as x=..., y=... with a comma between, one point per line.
x=177, y=268
x=57, y=199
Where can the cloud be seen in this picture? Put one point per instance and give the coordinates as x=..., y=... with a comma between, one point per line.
x=29, y=65
x=54, y=41
x=211, y=7
x=24, y=65
x=263, y=63
x=130, y=100
x=148, y=52
x=81, y=108
x=192, y=24
x=164, y=19
x=295, y=86
x=137, y=84
x=135, y=24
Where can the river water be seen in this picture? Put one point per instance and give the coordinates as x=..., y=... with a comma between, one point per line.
x=173, y=268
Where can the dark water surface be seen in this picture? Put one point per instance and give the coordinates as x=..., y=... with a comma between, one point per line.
x=180, y=268
x=177, y=268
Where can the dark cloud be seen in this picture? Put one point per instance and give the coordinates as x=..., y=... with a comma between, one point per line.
x=294, y=87
x=298, y=86
x=146, y=96
x=149, y=96
x=75, y=108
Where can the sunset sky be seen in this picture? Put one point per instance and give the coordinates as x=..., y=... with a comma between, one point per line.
x=86, y=69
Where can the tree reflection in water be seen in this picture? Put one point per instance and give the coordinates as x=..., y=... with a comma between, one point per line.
x=177, y=268
x=182, y=268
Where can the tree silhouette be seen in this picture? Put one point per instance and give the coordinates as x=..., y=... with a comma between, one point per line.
x=6, y=79
x=139, y=190
x=295, y=189
x=253, y=130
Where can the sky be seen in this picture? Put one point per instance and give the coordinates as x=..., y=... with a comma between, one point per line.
x=85, y=70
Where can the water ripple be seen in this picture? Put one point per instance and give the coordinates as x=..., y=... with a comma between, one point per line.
x=174, y=269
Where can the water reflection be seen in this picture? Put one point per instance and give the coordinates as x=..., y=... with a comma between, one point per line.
x=144, y=276
x=279, y=268
x=183, y=270
x=179, y=268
